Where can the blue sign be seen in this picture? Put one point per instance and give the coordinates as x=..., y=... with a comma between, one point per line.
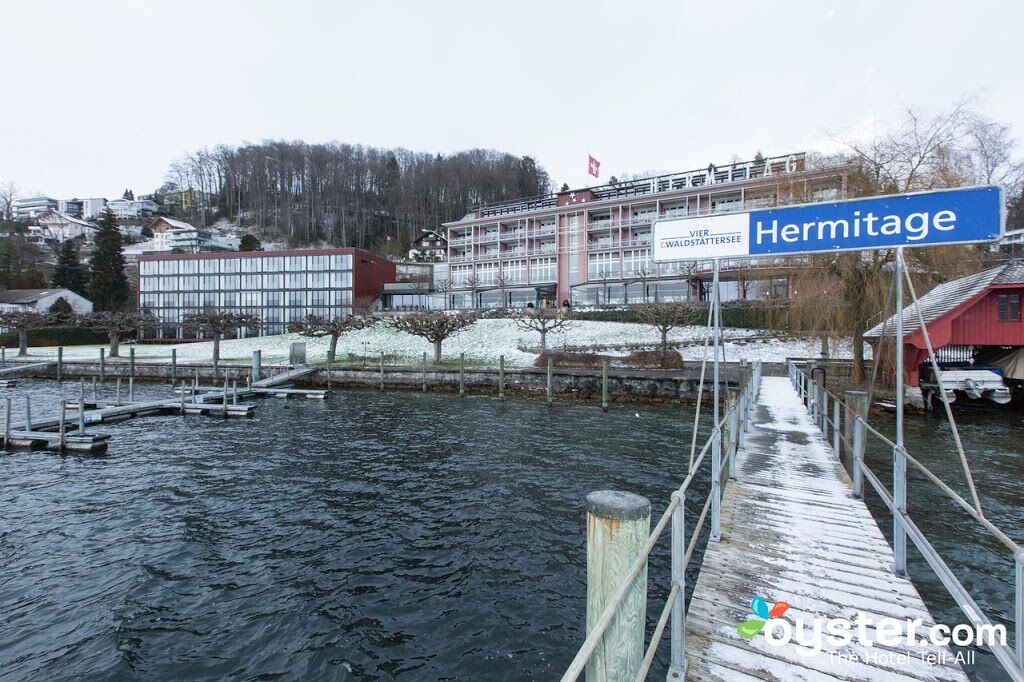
x=959, y=216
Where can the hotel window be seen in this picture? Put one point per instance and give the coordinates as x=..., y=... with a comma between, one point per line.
x=273, y=281
x=1008, y=307
x=542, y=270
x=273, y=264
x=603, y=266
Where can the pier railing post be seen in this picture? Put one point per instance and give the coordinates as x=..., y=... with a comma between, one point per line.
x=501, y=377
x=858, y=404
x=716, y=484
x=618, y=525
x=836, y=418
x=899, y=503
x=257, y=370
x=1019, y=608
x=103, y=363
x=462, y=374
x=677, y=656
x=732, y=406
x=604, y=384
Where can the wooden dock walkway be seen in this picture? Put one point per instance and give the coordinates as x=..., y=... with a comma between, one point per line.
x=793, y=532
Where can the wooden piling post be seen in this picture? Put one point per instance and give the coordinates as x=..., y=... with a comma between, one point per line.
x=131, y=389
x=551, y=386
x=28, y=413
x=3, y=356
x=117, y=395
x=234, y=391
x=858, y=403
x=81, y=406
x=60, y=363
x=424, y=371
x=330, y=368
x=382, y=370
x=501, y=377
x=174, y=366
x=103, y=363
x=257, y=362
x=462, y=374
x=225, y=402
x=60, y=425
x=604, y=385
x=182, y=397
x=95, y=396
x=618, y=525
x=131, y=362
x=7, y=423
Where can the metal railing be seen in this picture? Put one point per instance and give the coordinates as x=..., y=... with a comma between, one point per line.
x=817, y=399
x=735, y=422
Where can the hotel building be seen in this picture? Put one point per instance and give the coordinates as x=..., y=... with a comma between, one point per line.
x=592, y=246
x=279, y=286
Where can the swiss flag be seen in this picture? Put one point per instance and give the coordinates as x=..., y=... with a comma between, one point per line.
x=594, y=166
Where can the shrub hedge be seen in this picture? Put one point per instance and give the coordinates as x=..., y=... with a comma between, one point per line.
x=56, y=336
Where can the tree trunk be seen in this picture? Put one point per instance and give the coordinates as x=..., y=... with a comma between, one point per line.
x=333, y=350
x=543, y=340
x=664, y=345
x=858, y=352
x=115, y=343
x=22, y=342
x=437, y=352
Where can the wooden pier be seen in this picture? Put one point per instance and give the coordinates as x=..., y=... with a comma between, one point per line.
x=792, y=531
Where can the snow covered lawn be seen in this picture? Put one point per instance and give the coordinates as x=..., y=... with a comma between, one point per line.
x=482, y=343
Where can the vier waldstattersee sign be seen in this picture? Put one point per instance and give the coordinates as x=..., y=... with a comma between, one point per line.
x=959, y=216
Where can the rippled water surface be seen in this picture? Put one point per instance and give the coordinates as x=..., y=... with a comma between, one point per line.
x=393, y=535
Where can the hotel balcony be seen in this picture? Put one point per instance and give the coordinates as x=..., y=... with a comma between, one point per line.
x=459, y=241
x=487, y=237
x=604, y=245
x=598, y=225
x=544, y=230
x=513, y=235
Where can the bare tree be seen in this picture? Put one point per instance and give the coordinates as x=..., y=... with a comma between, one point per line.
x=24, y=321
x=445, y=287
x=665, y=317
x=316, y=326
x=117, y=325
x=218, y=323
x=432, y=326
x=543, y=321
x=473, y=283
x=501, y=283
x=642, y=275
x=363, y=306
x=8, y=193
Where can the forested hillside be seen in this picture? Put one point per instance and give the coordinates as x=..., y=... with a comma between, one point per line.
x=347, y=195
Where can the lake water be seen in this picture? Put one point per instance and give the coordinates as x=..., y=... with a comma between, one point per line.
x=385, y=535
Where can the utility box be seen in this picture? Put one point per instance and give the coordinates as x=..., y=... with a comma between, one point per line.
x=297, y=355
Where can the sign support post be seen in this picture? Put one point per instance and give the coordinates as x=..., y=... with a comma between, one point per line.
x=899, y=459
x=716, y=433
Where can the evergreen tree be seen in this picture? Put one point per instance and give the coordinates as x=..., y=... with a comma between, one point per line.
x=69, y=273
x=146, y=232
x=250, y=242
x=108, y=286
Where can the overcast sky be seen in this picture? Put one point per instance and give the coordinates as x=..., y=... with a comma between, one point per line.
x=100, y=96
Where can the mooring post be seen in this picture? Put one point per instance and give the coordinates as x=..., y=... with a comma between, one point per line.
x=257, y=361
x=183, y=397
x=103, y=363
x=234, y=391
x=858, y=403
x=60, y=363
x=330, y=368
x=382, y=370
x=174, y=366
x=551, y=387
x=131, y=389
x=501, y=377
x=677, y=651
x=3, y=356
x=81, y=406
x=604, y=385
x=462, y=374
x=117, y=394
x=131, y=362
x=7, y=423
x=95, y=396
x=61, y=423
x=225, y=402
x=424, y=371
x=618, y=524
x=28, y=413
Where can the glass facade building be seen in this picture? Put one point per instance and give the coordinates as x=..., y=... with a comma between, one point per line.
x=279, y=287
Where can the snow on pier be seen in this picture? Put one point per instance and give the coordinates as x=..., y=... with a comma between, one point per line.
x=793, y=532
